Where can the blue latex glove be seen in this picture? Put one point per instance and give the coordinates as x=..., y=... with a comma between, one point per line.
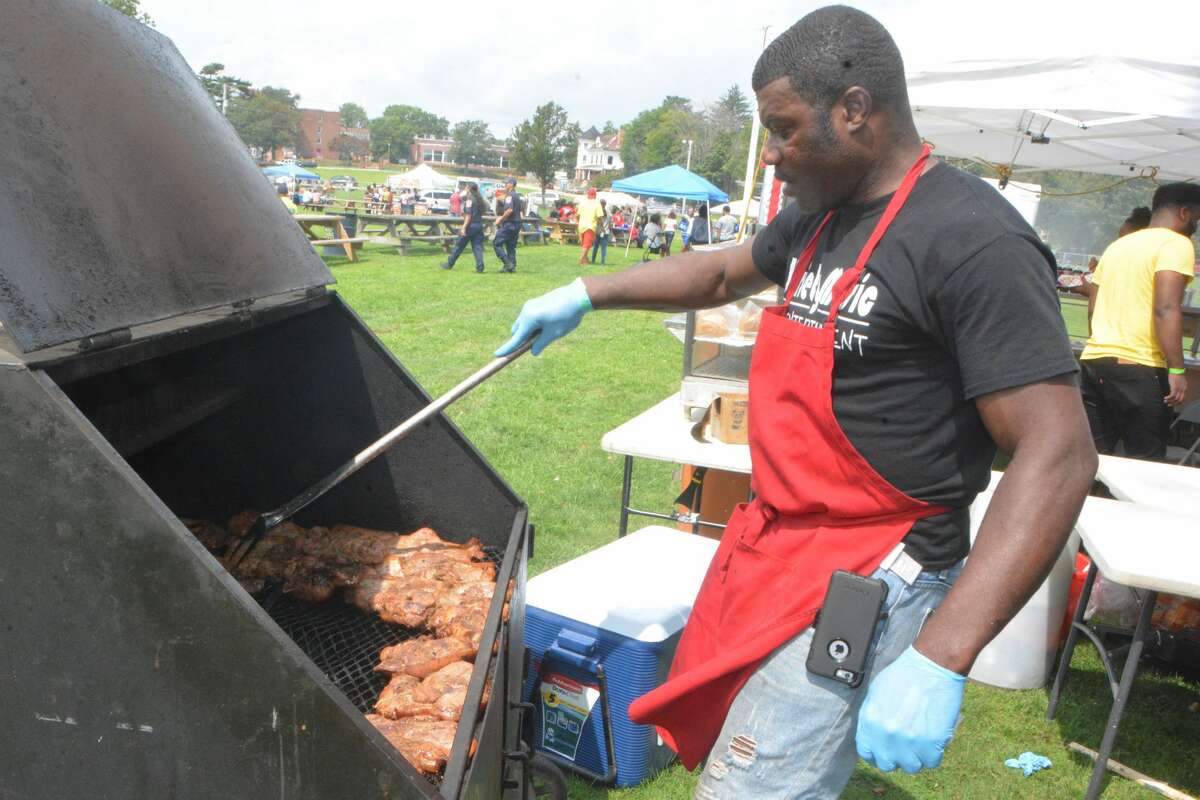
x=555, y=314
x=1028, y=763
x=909, y=715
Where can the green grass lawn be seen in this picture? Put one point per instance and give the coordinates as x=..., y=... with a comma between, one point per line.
x=540, y=422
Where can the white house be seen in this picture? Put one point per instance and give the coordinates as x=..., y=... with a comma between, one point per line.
x=598, y=153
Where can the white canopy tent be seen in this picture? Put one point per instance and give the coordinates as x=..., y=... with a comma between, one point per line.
x=1104, y=114
x=422, y=177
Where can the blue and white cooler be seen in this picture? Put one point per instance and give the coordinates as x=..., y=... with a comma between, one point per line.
x=601, y=631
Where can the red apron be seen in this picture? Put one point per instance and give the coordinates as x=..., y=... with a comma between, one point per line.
x=818, y=507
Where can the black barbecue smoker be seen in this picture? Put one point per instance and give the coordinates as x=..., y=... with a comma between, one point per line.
x=170, y=350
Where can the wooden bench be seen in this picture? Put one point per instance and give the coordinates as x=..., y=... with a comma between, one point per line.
x=443, y=239
x=348, y=245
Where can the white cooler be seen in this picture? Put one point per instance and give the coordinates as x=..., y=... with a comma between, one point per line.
x=1022, y=655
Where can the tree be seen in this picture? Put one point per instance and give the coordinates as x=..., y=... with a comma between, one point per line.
x=638, y=131
x=545, y=143
x=131, y=9
x=472, y=143
x=731, y=112
x=609, y=129
x=348, y=147
x=392, y=134
x=222, y=87
x=268, y=119
x=353, y=116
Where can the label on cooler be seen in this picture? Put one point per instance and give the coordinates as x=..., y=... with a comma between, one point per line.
x=566, y=705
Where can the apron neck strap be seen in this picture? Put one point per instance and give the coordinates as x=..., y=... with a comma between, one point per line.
x=845, y=283
x=804, y=260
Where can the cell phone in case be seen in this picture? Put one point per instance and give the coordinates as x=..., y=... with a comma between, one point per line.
x=845, y=627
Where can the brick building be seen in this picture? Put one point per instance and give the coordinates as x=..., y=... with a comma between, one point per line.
x=319, y=128
x=438, y=151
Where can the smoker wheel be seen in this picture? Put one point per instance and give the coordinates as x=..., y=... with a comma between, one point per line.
x=546, y=780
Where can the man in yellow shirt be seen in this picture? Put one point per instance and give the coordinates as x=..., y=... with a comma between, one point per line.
x=1133, y=370
x=590, y=213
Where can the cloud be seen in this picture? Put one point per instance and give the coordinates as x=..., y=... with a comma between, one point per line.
x=498, y=61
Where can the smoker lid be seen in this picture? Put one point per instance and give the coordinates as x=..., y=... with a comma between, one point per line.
x=125, y=196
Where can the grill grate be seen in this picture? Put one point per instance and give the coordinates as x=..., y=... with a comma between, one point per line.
x=344, y=642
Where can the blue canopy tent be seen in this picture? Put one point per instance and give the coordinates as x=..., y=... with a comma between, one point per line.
x=672, y=181
x=294, y=171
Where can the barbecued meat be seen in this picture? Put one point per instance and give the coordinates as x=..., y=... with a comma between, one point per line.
x=461, y=621
x=423, y=656
x=402, y=601
x=424, y=742
x=440, y=695
x=213, y=536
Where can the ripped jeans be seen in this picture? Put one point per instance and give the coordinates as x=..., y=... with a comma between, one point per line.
x=790, y=734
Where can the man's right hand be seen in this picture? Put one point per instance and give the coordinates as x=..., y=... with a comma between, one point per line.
x=551, y=316
x=1178, y=386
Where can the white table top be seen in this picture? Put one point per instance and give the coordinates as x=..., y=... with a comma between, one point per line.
x=1142, y=547
x=1151, y=483
x=663, y=433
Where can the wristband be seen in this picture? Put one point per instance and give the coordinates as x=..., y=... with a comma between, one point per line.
x=1177, y=370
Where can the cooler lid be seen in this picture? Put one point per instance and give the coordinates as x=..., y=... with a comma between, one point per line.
x=125, y=196
x=641, y=586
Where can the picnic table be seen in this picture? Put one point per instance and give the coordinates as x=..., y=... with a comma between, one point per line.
x=563, y=232
x=332, y=222
x=402, y=230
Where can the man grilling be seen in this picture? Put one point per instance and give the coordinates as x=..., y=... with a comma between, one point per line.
x=920, y=332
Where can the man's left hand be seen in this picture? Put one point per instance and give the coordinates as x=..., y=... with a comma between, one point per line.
x=909, y=715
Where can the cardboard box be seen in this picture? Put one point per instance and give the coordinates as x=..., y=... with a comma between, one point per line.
x=730, y=417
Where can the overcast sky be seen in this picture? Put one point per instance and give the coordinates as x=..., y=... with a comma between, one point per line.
x=497, y=61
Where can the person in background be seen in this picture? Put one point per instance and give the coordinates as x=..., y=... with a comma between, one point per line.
x=603, y=234
x=877, y=401
x=726, y=225
x=457, y=196
x=590, y=212
x=669, y=225
x=508, y=226
x=472, y=228
x=684, y=226
x=699, y=229
x=653, y=235
x=1138, y=219
x=1133, y=370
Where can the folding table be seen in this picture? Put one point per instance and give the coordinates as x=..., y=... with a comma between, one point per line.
x=1145, y=548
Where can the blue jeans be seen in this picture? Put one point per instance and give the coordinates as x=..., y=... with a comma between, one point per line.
x=505, y=244
x=789, y=733
x=601, y=245
x=475, y=237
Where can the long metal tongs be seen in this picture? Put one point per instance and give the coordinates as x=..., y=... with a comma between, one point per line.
x=271, y=519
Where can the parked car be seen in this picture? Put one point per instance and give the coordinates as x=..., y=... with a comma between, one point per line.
x=308, y=163
x=343, y=182
x=437, y=200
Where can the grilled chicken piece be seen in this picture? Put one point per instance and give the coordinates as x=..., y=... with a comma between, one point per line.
x=461, y=621
x=424, y=656
x=214, y=537
x=425, y=743
x=403, y=602
x=440, y=695
x=438, y=565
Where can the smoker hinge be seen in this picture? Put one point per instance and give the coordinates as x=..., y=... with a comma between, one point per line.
x=103, y=341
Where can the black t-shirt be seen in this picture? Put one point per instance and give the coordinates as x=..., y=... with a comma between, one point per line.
x=957, y=301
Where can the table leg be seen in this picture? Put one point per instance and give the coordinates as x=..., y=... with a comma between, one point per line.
x=348, y=248
x=626, y=490
x=1064, y=663
x=1129, y=672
